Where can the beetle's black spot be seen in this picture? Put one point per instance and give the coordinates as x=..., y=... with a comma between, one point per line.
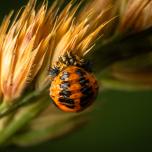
x=65, y=93
x=69, y=101
x=84, y=97
x=88, y=95
x=84, y=101
x=83, y=81
x=66, y=100
x=65, y=75
x=86, y=90
x=80, y=72
x=87, y=66
x=65, y=85
x=54, y=71
x=61, y=99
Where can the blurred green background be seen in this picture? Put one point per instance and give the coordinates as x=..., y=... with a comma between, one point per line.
x=121, y=120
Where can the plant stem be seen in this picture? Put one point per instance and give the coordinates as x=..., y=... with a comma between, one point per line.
x=23, y=117
x=5, y=108
x=55, y=130
x=112, y=83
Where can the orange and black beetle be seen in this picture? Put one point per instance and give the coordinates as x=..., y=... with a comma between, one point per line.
x=73, y=87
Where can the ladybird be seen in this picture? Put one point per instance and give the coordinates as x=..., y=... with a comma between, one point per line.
x=73, y=86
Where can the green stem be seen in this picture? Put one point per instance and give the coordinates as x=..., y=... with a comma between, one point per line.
x=23, y=117
x=53, y=131
x=112, y=83
x=5, y=108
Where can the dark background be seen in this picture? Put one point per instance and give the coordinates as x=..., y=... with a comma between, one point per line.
x=120, y=122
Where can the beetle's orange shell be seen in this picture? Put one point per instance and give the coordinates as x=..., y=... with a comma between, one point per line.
x=71, y=86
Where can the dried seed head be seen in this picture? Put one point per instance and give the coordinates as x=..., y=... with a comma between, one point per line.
x=36, y=38
x=23, y=47
x=136, y=15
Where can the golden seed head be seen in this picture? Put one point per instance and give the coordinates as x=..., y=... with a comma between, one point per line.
x=37, y=37
x=135, y=15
